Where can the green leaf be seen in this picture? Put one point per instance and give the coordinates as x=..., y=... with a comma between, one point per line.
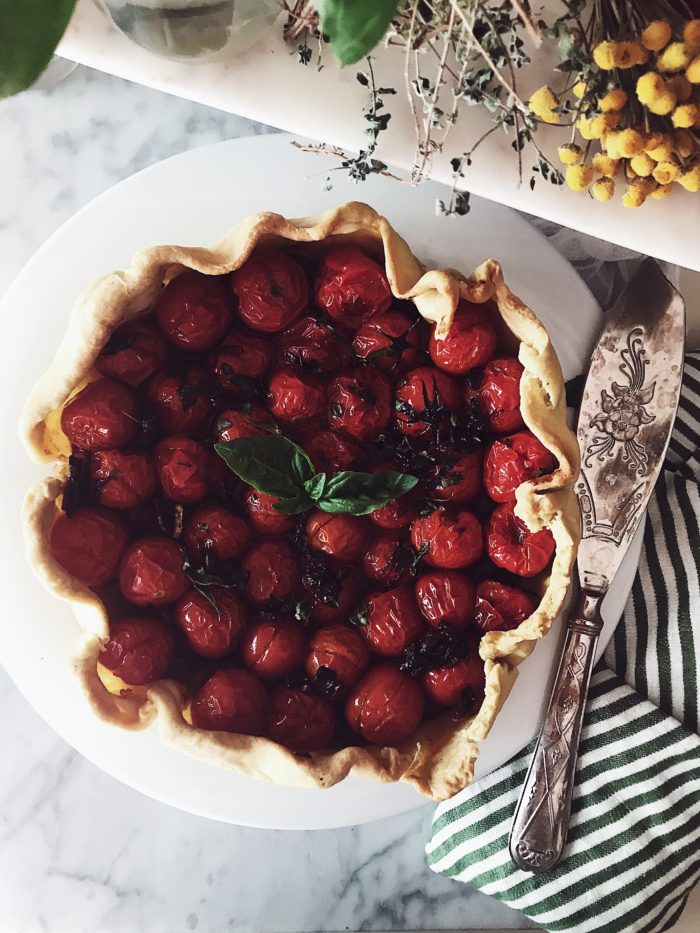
x=362, y=493
x=270, y=463
x=316, y=485
x=30, y=30
x=354, y=27
x=295, y=505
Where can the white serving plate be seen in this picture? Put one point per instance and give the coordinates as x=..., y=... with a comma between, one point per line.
x=193, y=199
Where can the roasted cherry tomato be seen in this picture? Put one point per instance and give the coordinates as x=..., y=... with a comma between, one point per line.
x=386, y=706
x=389, y=341
x=89, y=544
x=341, y=649
x=470, y=342
x=511, y=544
x=272, y=648
x=324, y=613
x=272, y=291
x=457, y=476
x=232, y=700
x=183, y=467
x=338, y=535
x=211, y=630
x=104, y=415
x=239, y=359
x=359, y=403
x=133, y=353
x=121, y=480
x=194, y=310
x=214, y=528
x=273, y=572
x=454, y=539
x=295, y=395
x=351, y=287
x=301, y=721
x=446, y=596
x=388, y=560
x=330, y=452
x=312, y=344
x=231, y=423
x=424, y=399
x=398, y=513
x=460, y=684
x=139, y=650
x=151, y=574
x=264, y=517
x=499, y=394
x=180, y=397
x=393, y=621
x=512, y=461
x=500, y=607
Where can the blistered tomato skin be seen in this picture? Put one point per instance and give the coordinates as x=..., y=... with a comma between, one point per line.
x=273, y=572
x=183, y=467
x=89, y=545
x=457, y=477
x=470, y=342
x=341, y=649
x=104, y=415
x=239, y=358
x=351, y=287
x=512, y=461
x=301, y=721
x=359, y=403
x=329, y=452
x=211, y=632
x=393, y=621
x=500, y=607
x=295, y=395
x=230, y=424
x=139, y=650
x=272, y=291
x=446, y=596
x=151, y=574
x=512, y=546
x=194, y=310
x=499, y=395
x=453, y=539
x=214, y=527
x=340, y=536
x=387, y=560
x=389, y=341
x=264, y=517
x=325, y=613
x=273, y=648
x=180, y=398
x=426, y=384
x=121, y=480
x=310, y=343
x=461, y=683
x=398, y=513
x=232, y=700
x=133, y=353
x=386, y=706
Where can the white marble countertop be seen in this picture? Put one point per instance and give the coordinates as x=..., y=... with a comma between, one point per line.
x=79, y=851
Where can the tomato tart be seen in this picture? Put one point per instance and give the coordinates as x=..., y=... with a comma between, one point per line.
x=311, y=500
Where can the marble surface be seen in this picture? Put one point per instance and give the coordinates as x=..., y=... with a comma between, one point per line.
x=79, y=851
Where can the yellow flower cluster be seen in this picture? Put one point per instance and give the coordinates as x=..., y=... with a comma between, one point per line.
x=543, y=103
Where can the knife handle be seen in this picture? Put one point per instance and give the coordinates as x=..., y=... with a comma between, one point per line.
x=541, y=820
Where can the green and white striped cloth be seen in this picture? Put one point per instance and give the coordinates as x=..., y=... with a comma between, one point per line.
x=633, y=852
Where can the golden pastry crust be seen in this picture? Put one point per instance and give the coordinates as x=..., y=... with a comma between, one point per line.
x=439, y=758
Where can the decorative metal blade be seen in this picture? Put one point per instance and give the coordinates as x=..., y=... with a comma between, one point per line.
x=627, y=411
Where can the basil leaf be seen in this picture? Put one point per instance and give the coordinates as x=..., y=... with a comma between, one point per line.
x=295, y=505
x=354, y=27
x=270, y=463
x=30, y=30
x=362, y=493
x=316, y=485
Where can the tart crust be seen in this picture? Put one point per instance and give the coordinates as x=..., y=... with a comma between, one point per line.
x=439, y=758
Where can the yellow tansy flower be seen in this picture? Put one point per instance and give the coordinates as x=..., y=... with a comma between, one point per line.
x=569, y=154
x=579, y=89
x=605, y=165
x=685, y=115
x=666, y=172
x=642, y=164
x=595, y=127
x=613, y=100
x=542, y=104
x=674, y=57
x=680, y=86
x=691, y=32
x=693, y=71
x=690, y=180
x=603, y=188
x=656, y=35
x=662, y=192
x=650, y=86
x=663, y=104
x=605, y=54
x=684, y=143
x=629, y=143
x=579, y=177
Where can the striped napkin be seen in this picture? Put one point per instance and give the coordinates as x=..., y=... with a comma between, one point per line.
x=633, y=852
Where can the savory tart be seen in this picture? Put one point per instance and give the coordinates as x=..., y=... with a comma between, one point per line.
x=311, y=501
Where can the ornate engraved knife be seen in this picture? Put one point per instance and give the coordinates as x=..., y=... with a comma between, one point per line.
x=627, y=411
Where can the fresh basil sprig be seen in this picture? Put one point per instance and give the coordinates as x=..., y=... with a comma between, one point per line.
x=278, y=467
x=354, y=27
